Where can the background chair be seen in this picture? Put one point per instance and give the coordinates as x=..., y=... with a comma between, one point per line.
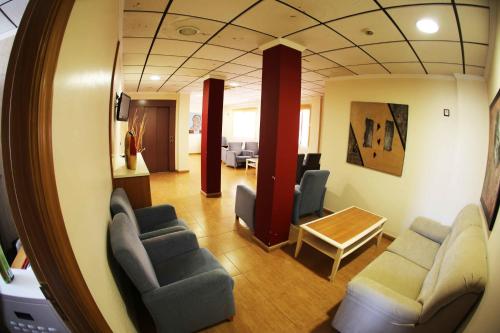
x=310, y=194
x=223, y=141
x=300, y=165
x=149, y=221
x=184, y=287
x=308, y=198
x=235, y=156
x=311, y=162
x=252, y=147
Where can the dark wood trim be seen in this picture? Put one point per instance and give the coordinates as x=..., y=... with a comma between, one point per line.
x=29, y=167
x=112, y=109
x=171, y=138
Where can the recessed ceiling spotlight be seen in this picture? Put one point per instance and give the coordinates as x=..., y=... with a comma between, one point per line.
x=367, y=31
x=427, y=25
x=188, y=31
x=234, y=84
x=155, y=77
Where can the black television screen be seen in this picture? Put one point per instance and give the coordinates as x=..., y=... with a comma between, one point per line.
x=123, y=106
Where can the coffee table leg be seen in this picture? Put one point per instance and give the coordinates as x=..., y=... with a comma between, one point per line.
x=379, y=237
x=336, y=264
x=299, y=242
x=246, y=166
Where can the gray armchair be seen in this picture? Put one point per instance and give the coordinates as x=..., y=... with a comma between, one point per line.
x=252, y=147
x=310, y=194
x=308, y=198
x=150, y=221
x=184, y=287
x=234, y=155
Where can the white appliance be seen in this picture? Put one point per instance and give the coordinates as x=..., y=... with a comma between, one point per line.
x=24, y=308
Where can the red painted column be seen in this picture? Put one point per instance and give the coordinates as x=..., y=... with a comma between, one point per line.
x=211, y=132
x=278, y=144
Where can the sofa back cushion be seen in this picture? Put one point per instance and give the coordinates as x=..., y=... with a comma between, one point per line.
x=460, y=268
x=131, y=254
x=235, y=146
x=120, y=204
x=469, y=216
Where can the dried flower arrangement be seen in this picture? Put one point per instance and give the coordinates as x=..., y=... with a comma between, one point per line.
x=138, y=128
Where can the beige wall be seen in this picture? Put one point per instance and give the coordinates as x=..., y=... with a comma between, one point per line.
x=80, y=143
x=435, y=160
x=314, y=123
x=486, y=319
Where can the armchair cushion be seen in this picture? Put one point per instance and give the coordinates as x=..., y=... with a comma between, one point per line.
x=416, y=248
x=164, y=247
x=186, y=265
x=235, y=146
x=152, y=218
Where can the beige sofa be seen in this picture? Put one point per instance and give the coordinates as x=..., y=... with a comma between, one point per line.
x=427, y=280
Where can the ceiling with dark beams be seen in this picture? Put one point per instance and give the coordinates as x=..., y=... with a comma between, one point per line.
x=333, y=31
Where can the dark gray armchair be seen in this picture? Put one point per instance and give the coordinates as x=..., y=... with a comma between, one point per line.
x=184, y=287
x=308, y=198
x=310, y=194
x=253, y=148
x=149, y=221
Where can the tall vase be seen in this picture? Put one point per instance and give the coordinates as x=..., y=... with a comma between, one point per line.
x=130, y=151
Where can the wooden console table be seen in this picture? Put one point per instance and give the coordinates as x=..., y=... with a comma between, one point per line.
x=134, y=182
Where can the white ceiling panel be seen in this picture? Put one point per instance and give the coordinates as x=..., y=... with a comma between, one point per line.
x=240, y=38
x=15, y=10
x=140, y=24
x=368, y=69
x=136, y=45
x=350, y=56
x=222, y=10
x=172, y=86
x=325, y=10
x=146, y=5
x=320, y=39
x=202, y=63
x=405, y=68
x=247, y=79
x=161, y=60
x=320, y=83
x=311, y=86
x=132, y=69
x=332, y=72
x=274, y=18
x=148, y=84
x=314, y=62
x=135, y=59
x=312, y=76
x=249, y=59
x=390, y=3
x=217, y=53
x=473, y=70
x=173, y=22
x=391, y=52
x=129, y=86
x=182, y=79
x=159, y=70
x=235, y=69
x=474, y=2
x=257, y=74
x=475, y=23
x=255, y=86
x=432, y=51
x=5, y=25
x=192, y=71
x=407, y=17
x=224, y=75
x=352, y=27
x=446, y=69
x=149, y=77
x=132, y=77
x=174, y=47
x=475, y=54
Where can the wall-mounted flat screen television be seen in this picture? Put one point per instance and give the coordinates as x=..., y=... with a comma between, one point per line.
x=123, y=107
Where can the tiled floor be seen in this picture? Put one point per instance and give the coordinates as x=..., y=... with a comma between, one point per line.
x=274, y=292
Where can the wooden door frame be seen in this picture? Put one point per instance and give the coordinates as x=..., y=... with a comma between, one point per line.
x=171, y=104
x=29, y=167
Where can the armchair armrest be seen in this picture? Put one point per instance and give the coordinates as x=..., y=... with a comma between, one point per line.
x=149, y=217
x=166, y=246
x=369, y=293
x=430, y=229
x=297, y=196
x=231, y=158
x=244, y=206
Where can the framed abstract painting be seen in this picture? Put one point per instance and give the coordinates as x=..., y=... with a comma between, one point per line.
x=491, y=185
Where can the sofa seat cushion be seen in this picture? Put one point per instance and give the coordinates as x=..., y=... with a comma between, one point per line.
x=396, y=273
x=416, y=248
x=186, y=265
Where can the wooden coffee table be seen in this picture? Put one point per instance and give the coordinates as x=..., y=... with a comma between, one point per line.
x=340, y=234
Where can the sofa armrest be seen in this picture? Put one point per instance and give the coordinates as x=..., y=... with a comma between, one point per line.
x=401, y=309
x=149, y=217
x=166, y=246
x=430, y=229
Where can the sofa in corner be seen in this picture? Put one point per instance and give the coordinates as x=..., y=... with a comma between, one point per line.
x=427, y=280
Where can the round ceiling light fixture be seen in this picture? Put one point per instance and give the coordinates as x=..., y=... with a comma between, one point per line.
x=427, y=25
x=155, y=77
x=188, y=31
x=234, y=84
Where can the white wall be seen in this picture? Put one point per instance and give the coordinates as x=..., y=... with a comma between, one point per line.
x=486, y=319
x=445, y=156
x=314, y=123
x=80, y=144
